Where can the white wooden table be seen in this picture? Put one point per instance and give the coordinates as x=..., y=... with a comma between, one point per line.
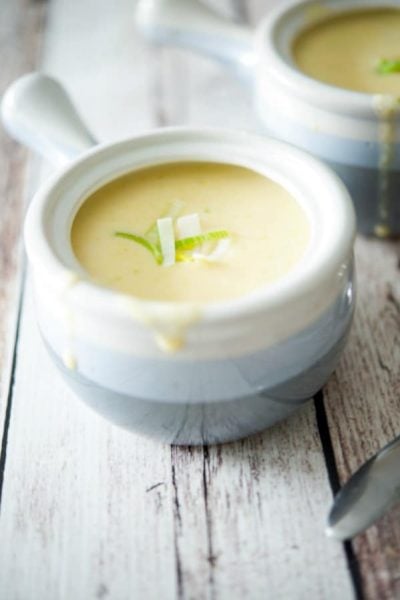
x=91, y=511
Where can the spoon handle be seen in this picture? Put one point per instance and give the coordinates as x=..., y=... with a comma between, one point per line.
x=367, y=495
x=37, y=111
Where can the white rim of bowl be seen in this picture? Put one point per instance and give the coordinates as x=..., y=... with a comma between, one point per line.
x=303, y=279
x=317, y=93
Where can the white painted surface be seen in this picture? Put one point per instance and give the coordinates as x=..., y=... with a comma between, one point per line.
x=78, y=516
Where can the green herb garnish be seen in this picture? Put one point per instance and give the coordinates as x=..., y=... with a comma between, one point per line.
x=181, y=246
x=387, y=66
x=152, y=242
x=190, y=243
x=153, y=248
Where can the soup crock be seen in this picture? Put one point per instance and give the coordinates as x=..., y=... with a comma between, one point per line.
x=239, y=366
x=356, y=134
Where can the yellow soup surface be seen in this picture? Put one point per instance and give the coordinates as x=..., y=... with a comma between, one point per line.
x=346, y=50
x=268, y=232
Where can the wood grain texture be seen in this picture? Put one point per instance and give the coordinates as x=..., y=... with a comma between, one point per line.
x=87, y=508
x=363, y=402
x=21, y=26
x=264, y=526
x=90, y=511
x=362, y=399
x=95, y=512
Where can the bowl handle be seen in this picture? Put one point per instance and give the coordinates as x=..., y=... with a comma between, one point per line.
x=190, y=24
x=37, y=111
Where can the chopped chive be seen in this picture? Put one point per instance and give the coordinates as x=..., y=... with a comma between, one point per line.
x=152, y=234
x=153, y=248
x=387, y=66
x=192, y=242
x=182, y=256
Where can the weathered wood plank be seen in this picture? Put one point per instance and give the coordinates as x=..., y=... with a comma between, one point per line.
x=21, y=27
x=261, y=503
x=363, y=402
x=86, y=509
x=90, y=511
x=191, y=89
x=97, y=55
x=362, y=398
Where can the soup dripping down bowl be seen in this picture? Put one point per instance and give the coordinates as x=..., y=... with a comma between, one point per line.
x=182, y=373
x=357, y=134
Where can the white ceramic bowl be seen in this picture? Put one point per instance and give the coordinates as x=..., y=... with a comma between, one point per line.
x=244, y=364
x=354, y=133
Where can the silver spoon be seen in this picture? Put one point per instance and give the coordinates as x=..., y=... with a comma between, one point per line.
x=367, y=495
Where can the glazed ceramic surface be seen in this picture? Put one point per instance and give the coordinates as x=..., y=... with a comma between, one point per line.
x=357, y=134
x=243, y=364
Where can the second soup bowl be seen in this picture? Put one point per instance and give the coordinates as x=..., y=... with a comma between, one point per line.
x=356, y=134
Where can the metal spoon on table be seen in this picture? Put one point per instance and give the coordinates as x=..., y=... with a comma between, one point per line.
x=367, y=495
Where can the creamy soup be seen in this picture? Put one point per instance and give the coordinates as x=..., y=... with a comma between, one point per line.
x=358, y=50
x=252, y=232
